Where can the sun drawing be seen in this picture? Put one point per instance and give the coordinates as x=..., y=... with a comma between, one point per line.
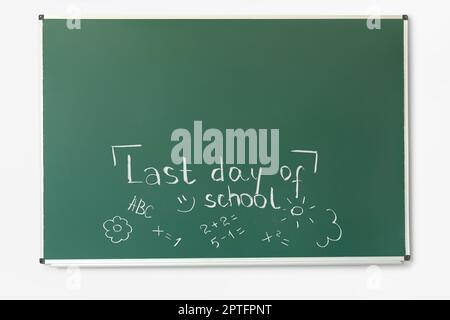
x=298, y=212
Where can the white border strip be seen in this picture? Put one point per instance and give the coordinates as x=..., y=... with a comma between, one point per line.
x=187, y=262
x=211, y=17
x=406, y=137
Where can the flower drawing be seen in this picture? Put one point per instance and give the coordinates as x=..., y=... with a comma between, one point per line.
x=117, y=229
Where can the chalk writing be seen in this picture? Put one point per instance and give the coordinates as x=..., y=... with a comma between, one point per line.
x=226, y=228
x=336, y=232
x=235, y=187
x=160, y=233
x=140, y=207
x=275, y=237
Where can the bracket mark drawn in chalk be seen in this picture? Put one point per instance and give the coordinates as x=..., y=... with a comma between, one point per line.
x=315, y=153
x=113, y=150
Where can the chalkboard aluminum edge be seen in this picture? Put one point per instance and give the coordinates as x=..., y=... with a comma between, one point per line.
x=406, y=138
x=41, y=138
x=296, y=17
x=236, y=261
x=181, y=262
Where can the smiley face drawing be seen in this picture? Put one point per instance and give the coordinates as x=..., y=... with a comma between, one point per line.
x=185, y=204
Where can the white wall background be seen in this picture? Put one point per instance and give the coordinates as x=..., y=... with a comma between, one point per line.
x=427, y=276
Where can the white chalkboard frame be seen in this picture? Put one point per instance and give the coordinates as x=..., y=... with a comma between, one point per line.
x=238, y=261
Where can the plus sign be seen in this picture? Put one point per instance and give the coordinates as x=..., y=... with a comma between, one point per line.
x=267, y=238
x=158, y=231
x=214, y=224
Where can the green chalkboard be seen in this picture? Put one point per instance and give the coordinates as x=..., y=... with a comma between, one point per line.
x=224, y=141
